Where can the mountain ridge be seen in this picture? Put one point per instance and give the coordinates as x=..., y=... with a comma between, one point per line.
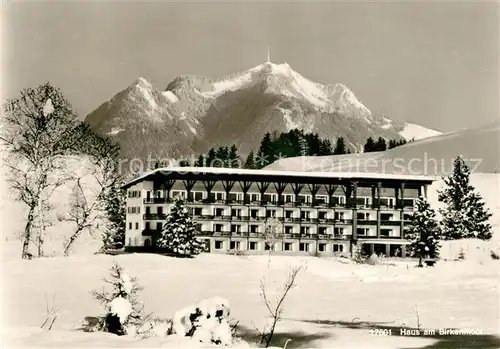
x=195, y=113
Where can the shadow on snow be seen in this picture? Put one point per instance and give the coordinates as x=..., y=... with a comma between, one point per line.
x=484, y=341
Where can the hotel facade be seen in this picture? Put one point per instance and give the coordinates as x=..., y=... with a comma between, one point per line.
x=314, y=213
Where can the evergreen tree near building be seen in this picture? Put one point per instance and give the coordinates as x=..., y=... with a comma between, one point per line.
x=423, y=231
x=114, y=234
x=179, y=232
x=233, y=158
x=369, y=145
x=250, y=161
x=464, y=214
x=340, y=147
x=380, y=145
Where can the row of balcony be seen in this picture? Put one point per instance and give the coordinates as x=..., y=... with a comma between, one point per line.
x=214, y=233
x=156, y=216
x=314, y=203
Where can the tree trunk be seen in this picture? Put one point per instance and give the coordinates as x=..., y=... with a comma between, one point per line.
x=420, y=264
x=72, y=240
x=27, y=233
x=40, y=244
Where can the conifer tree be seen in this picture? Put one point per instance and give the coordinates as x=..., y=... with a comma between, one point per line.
x=179, y=232
x=233, y=157
x=423, y=231
x=114, y=234
x=369, y=145
x=340, y=147
x=123, y=287
x=464, y=214
x=380, y=145
x=250, y=161
x=200, y=162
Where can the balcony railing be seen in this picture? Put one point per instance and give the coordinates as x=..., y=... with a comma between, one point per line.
x=367, y=222
x=390, y=222
x=153, y=216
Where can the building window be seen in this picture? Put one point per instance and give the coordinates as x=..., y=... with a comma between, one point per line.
x=160, y=210
x=338, y=200
x=236, y=212
x=136, y=225
x=362, y=231
x=304, y=247
x=219, y=212
x=268, y=246
x=235, y=228
x=235, y=245
x=288, y=197
x=198, y=227
x=159, y=226
x=321, y=199
x=253, y=197
x=288, y=229
x=198, y=211
x=386, y=216
x=218, y=244
x=363, y=216
x=322, y=247
x=288, y=213
x=254, y=229
x=339, y=216
x=336, y=247
x=253, y=245
x=305, y=214
x=322, y=215
x=130, y=241
x=385, y=232
x=130, y=225
x=322, y=230
x=271, y=213
x=288, y=246
x=304, y=230
x=147, y=226
x=147, y=243
x=218, y=228
x=338, y=231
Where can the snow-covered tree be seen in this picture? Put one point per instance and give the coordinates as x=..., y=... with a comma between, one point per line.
x=36, y=129
x=423, y=231
x=179, y=232
x=114, y=233
x=464, y=214
x=121, y=302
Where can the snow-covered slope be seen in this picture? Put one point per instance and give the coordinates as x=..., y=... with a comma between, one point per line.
x=195, y=114
x=416, y=132
x=318, y=313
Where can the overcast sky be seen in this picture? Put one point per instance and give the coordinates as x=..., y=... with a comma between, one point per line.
x=435, y=64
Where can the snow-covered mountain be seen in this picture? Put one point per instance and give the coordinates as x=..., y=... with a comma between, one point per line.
x=194, y=113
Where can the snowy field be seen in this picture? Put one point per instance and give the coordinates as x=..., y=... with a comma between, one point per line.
x=335, y=305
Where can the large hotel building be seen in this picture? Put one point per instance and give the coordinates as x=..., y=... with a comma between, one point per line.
x=316, y=213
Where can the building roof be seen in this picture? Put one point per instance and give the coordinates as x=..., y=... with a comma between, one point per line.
x=259, y=174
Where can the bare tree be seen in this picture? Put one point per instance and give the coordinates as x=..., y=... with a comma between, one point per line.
x=87, y=206
x=272, y=232
x=37, y=129
x=276, y=308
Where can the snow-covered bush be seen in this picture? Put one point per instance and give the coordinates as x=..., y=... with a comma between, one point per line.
x=206, y=321
x=124, y=313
